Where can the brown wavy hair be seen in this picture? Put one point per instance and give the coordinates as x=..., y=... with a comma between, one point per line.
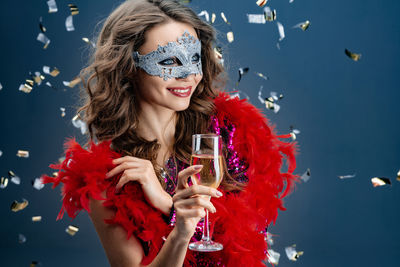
x=110, y=106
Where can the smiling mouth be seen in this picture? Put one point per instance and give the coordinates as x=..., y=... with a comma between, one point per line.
x=181, y=91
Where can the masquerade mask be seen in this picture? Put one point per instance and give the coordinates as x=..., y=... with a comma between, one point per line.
x=186, y=54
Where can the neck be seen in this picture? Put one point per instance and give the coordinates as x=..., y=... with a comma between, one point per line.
x=157, y=123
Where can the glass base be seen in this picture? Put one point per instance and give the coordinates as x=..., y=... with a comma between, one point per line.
x=206, y=246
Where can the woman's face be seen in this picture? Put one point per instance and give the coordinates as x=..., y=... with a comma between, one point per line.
x=173, y=93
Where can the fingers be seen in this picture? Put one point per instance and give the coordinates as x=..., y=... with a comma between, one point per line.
x=196, y=190
x=123, y=166
x=196, y=202
x=125, y=178
x=185, y=174
x=191, y=213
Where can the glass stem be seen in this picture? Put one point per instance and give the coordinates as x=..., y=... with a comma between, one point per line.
x=206, y=229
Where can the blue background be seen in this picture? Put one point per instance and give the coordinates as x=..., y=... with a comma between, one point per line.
x=347, y=113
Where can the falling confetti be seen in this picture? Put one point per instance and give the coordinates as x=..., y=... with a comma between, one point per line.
x=21, y=238
x=306, y=176
x=62, y=112
x=54, y=72
x=281, y=31
x=213, y=17
x=43, y=39
x=293, y=132
x=14, y=178
x=3, y=182
x=218, y=54
x=52, y=6
x=41, y=27
x=72, y=230
x=292, y=254
x=262, y=76
x=242, y=72
x=72, y=83
x=205, y=14
x=34, y=263
x=38, y=78
x=268, y=238
x=261, y=3
x=398, y=174
x=224, y=18
x=23, y=153
x=348, y=176
x=17, y=206
x=380, y=181
x=229, y=36
x=303, y=25
x=86, y=40
x=256, y=18
x=69, y=24
x=237, y=94
x=1, y=87
x=74, y=9
x=37, y=184
x=27, y=86
x=36, y=218
x=353, y=56
x=270, y=15
x=78, y=123
x=273, y=256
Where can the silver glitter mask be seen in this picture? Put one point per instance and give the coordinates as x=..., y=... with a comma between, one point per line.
x=186, y=53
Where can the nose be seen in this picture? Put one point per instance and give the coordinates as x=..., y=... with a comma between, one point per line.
x=184, y=74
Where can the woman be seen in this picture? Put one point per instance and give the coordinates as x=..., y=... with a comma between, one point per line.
x=151, y=85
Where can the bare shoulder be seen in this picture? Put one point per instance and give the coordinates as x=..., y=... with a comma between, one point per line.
x=120, y=251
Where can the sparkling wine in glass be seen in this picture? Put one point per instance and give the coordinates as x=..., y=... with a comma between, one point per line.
x=206, y=151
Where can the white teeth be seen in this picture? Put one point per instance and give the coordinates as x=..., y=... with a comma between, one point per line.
x=180, y=91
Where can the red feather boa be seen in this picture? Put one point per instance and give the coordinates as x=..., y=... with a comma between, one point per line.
x=240, y=217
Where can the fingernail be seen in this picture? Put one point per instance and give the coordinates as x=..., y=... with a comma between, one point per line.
x=107, y=174
x=219, y=194
x=214, y=210
x=197, y=167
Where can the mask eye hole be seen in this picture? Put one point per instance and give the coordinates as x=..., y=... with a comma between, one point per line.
x=195, y=58
x=171, y=61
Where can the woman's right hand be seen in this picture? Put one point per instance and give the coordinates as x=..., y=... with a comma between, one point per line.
x=190, y=202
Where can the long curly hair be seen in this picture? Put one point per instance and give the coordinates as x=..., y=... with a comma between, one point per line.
x=110, y=103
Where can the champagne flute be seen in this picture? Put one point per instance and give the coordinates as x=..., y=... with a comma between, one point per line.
x=206, y=151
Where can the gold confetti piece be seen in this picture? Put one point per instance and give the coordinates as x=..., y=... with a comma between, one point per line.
x=261, y=3
x=72, y=230
x=380, y=181
x=3, y=182
x=256, y=18
x=229, y=36
x=41, y=27
x=43, y=38
x=54, y=72
x=270, y=15
x=237, y=94
x=36, y=218
x=398, y=176
x=303, y=25
x=273, y=257
x=86, y=40
x=38, y=78
x=346, y=176
x=213, y=17
x=55, y=174
x=292, y=254
x=21, y=238
x=23, y=153
x=69, y=24
x=17, y=206
x=205, y=14
x=224, y=18
x=72, y=83
x=293, y=132
x=62, y=112
x=262, y=76
x=74, y=9
x=353, y=56
x=37, y=184
x=52, y=6
x=306, y=176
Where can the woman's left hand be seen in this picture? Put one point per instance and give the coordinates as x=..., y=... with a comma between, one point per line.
x=142, y=171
